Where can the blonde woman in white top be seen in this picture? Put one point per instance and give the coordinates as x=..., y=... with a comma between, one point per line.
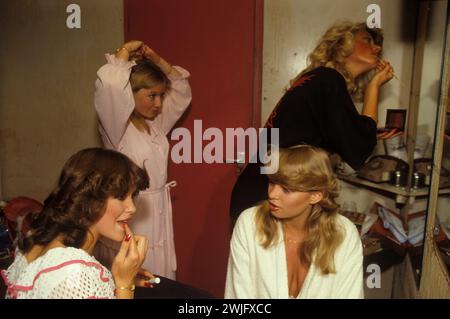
x=296, y=244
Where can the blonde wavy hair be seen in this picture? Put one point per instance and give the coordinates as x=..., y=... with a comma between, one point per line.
x=337, y=44
x=306, y=168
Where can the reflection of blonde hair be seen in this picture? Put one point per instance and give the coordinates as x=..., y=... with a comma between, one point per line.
x=337, y=44
x=306, y=168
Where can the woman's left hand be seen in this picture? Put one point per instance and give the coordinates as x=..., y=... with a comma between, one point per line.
x=149, y=54
x=384, y=73
x=390, y=134
x=142, y=278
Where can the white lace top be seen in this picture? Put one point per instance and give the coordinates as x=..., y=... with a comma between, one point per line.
x=61, y=273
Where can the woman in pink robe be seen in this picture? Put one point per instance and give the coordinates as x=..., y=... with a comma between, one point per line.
x=138, y=98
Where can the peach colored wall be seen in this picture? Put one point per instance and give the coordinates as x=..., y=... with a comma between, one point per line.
x=47, y=74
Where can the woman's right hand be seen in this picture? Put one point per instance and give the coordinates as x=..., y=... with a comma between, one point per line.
x=384, y=73
x=129, y=259
x=132, y=49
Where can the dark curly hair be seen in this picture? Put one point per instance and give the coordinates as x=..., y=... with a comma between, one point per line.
x=88, y=179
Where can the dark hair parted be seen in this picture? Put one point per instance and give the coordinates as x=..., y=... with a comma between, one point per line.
x=88, y=179
x=146, y=74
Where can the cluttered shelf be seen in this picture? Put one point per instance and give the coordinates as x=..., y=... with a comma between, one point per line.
x=401, y=193
x=388, y=239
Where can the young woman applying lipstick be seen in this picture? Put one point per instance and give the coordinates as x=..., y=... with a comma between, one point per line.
x=295, y=244
x=318, y=109
x=94, y=198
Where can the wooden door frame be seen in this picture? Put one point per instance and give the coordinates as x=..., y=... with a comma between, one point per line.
x=258, y=63
x=435, y=280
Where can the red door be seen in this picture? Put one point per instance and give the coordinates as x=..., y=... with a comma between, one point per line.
x=220, y=43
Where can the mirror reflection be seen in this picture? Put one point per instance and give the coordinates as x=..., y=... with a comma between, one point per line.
x=387, y=197
x=442, y=222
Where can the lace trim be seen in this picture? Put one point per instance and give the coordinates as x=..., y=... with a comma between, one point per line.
x=14, y=289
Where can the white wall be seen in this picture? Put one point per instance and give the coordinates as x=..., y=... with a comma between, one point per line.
x=292, y=29
x=47, y=75
x=433, y=60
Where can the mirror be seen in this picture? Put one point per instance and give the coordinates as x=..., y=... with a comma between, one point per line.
x=434, y=17
x=414, y=41
x=443, y=207
x=436, y=264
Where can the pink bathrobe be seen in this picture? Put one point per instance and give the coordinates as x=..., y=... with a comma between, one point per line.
x=114, y=104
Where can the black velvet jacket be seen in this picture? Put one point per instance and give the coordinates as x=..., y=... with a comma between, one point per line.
x=317, y=110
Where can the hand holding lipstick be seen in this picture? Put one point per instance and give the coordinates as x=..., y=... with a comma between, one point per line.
x=128, y=261
x=145, y=279
x=384, y=73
